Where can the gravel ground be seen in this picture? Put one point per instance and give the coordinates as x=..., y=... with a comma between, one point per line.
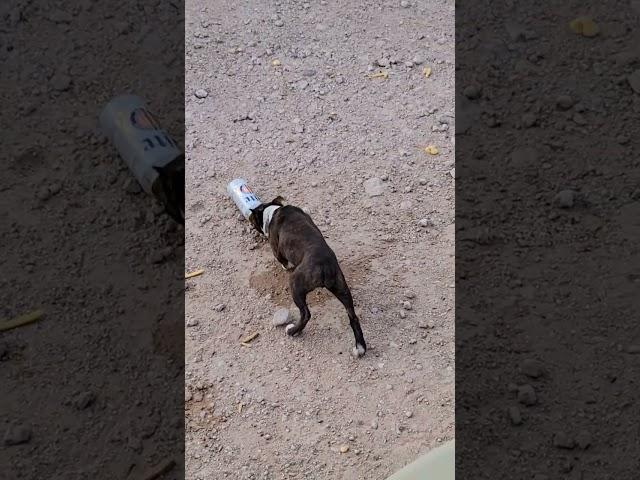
x=279, y=93
x=547, y=220
x=88, y=390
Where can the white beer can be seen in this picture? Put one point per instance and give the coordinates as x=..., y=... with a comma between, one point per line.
x=243, y=196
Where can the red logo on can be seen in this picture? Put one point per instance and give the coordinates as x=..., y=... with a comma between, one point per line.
x=245, y=189
x=143, y=119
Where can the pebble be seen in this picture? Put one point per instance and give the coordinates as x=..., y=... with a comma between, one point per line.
x=583, y=439
x=374, y=187
x=424, y=222
x=201, y=93
x=279, y=23
x=409, y=295
x=267, y=436
x=515, y=416
x=423, y=181
x=408, y=414
x=634, y=81
x=405, y=4
x=383, y=62
x=562, y=440
x=472, y=92
x=281, y=317
x=344, y=448
x=565, y=199
x=403, y=314
x=527, y=395
x=16, y=435
x=565, y=102
x=61, y=82
x=418, y=60
x=84, y=400
x=531, y=368
x=374, y=424
x=407, y=305
x=192, y=322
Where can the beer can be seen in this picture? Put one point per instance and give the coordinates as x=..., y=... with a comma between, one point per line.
x=149, y=151
x=243, y=196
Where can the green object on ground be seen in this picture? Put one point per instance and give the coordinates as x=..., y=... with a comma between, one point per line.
x=438, y=464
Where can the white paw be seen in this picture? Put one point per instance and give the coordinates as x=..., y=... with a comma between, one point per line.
x=283, y=267
x=289, y=327
x=357, y=351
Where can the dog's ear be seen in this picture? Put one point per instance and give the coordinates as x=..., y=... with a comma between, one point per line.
x=279, y=201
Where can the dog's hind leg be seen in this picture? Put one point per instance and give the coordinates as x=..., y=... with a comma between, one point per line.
x=299, y=292
x=342, y=293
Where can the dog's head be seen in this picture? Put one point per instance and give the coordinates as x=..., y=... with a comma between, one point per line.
x=256, y=218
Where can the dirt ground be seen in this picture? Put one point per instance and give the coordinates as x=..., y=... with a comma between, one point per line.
x=278, y=93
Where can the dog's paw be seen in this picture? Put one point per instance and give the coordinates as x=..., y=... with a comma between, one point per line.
x=289, y=328
x=358, y=351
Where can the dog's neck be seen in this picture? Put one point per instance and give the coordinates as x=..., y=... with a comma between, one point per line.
x=266, y=218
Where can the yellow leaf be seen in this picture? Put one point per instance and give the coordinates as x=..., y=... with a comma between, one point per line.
x=584, y=26
x=382, y=74
x=431, y=150
x=426, y=71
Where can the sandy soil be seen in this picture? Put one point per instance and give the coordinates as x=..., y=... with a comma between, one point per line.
x=278, y=93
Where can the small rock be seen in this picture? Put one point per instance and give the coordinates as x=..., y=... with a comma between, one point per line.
x=409, y=295
x=61, y=82
x=344, y=448
x=565, y=199
x=531, y=368
x=472, y=92
x=405, y=4
x=408, y=414
x=424, y=222
x=407, y=305
x=201, y=93
x=374, y=424
x=383, y=62
x=279, y=23
x=309, y=73
x=160, y=255
x=403, y=314
x=16, y=435
x=515, y=416
x=267, y=436
x=374, y=187
x=418, y=60
x=84, y=400
x=527, y=395
x=583, y=439
x=281, y=317
x=562, y=440
x=192, y=322
x=423, y=181
x=634, y=81
x=220, y=307
x=565, y=102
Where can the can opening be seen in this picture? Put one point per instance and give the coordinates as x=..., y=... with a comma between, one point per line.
x=168, y=188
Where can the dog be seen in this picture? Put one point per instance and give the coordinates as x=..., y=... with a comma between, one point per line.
x=299, y=246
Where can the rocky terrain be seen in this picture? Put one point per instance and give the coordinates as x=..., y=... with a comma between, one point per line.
x=331, y=105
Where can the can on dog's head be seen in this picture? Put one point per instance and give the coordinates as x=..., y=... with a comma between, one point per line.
x=243, y=196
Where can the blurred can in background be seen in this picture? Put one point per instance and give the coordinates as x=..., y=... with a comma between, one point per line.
x=151, y=154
